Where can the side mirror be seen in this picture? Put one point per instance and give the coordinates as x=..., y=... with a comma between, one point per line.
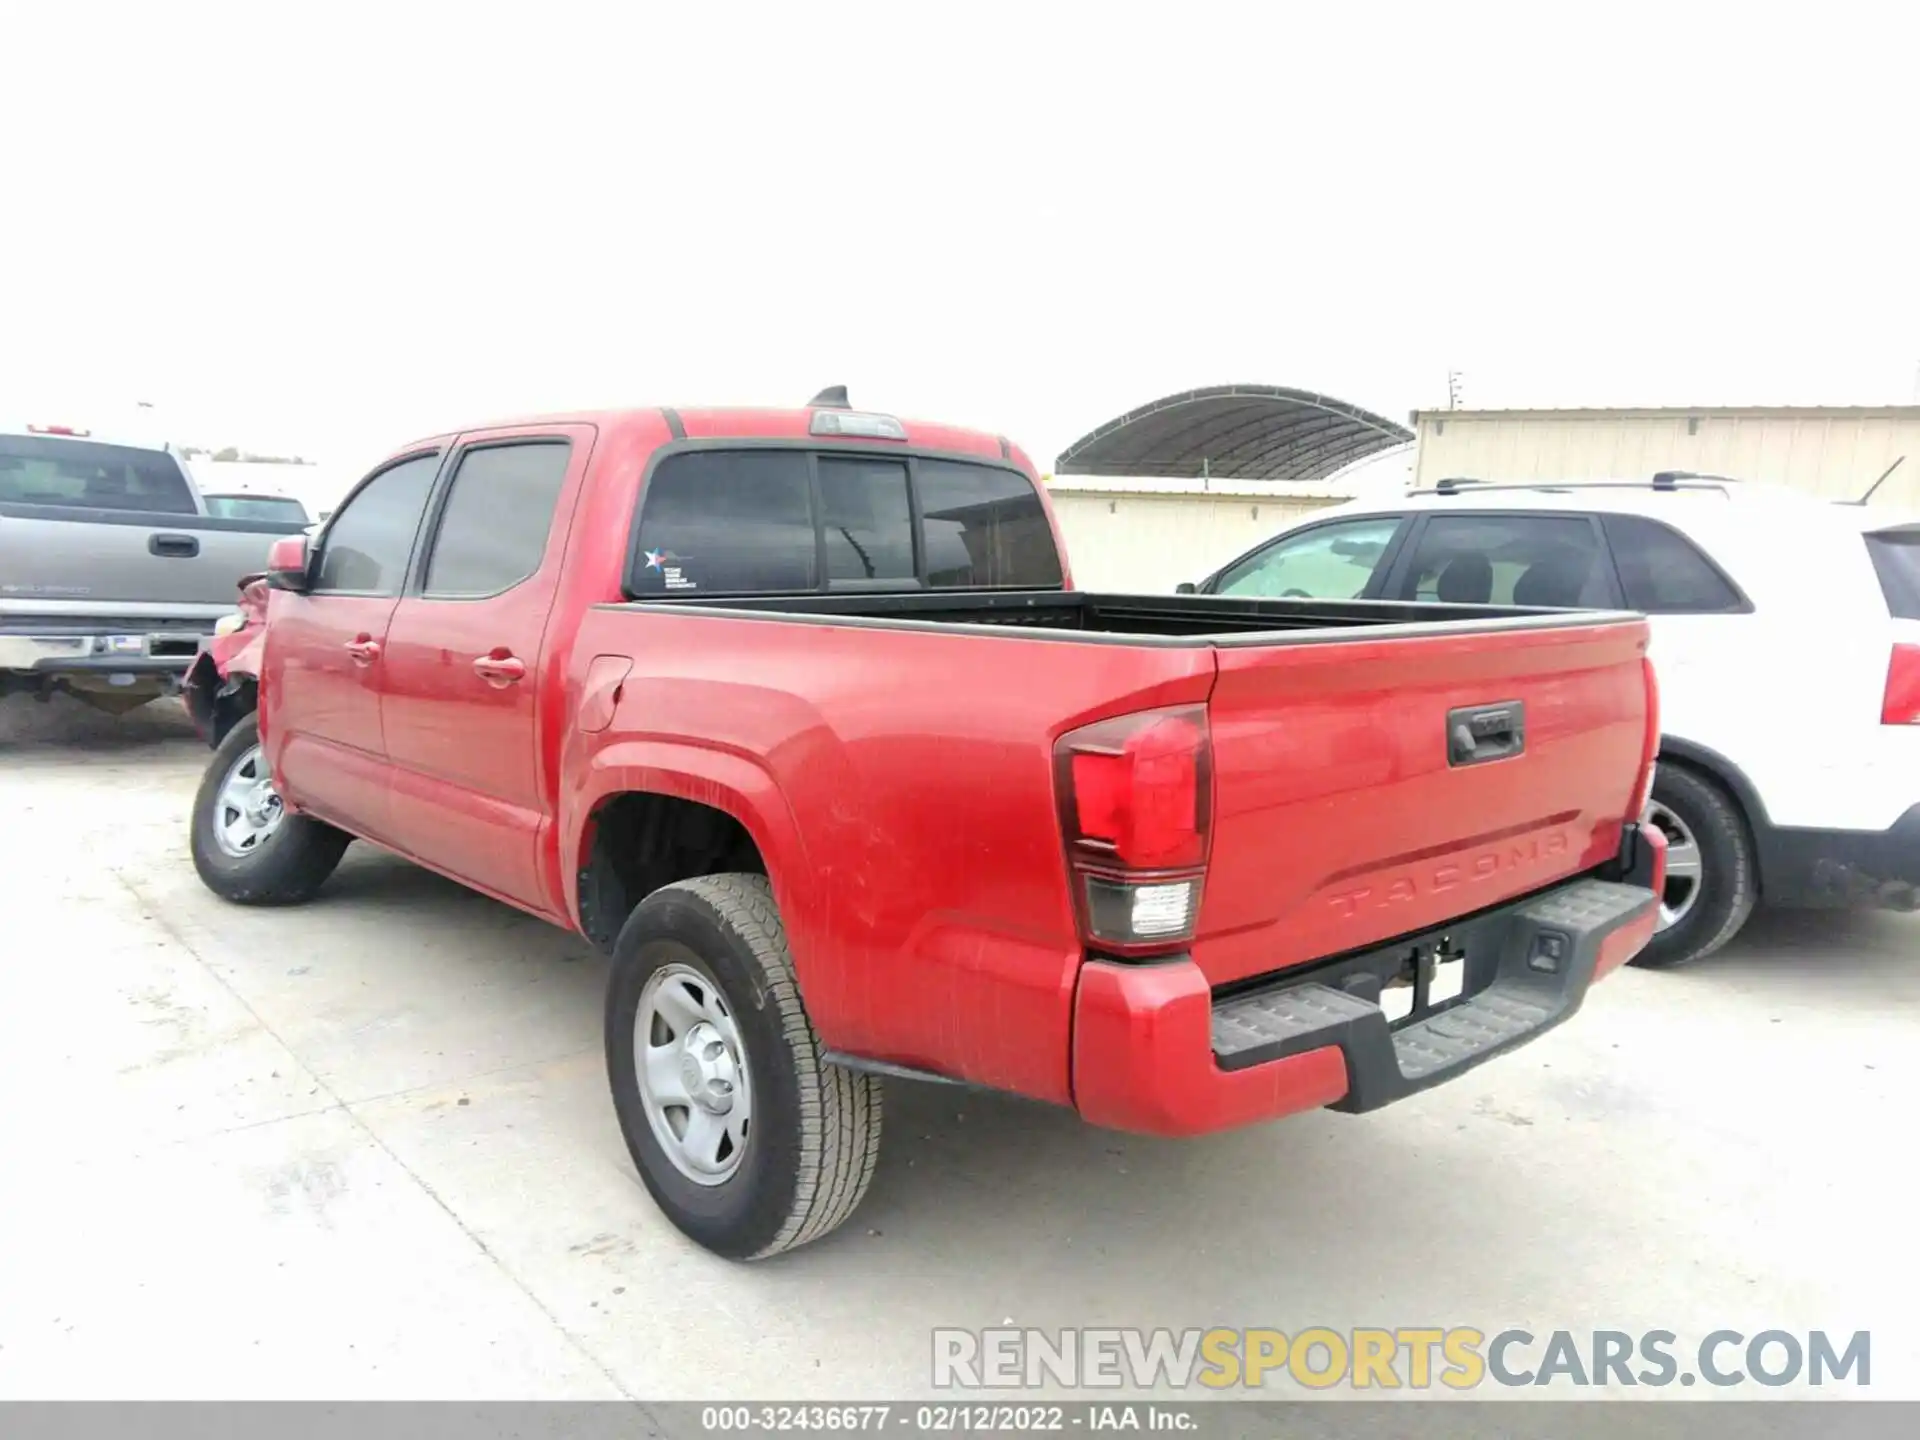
x=287, y=564
x=1185, y=587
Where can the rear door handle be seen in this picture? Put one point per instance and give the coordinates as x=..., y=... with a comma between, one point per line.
x=364, y=651
x=500, y=670
x=173, y=547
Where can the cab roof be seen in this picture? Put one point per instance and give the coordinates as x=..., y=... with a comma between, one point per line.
x=834, y=423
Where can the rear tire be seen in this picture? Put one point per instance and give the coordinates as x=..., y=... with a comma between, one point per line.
x=1727, y=882
x=272, y=862
x=808, y=1152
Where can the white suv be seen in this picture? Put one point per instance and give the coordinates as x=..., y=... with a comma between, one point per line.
x=1786, y=641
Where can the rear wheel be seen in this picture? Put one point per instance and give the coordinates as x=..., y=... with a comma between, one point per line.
x=1712, y=882
x=246, y=846
x=746, y=1138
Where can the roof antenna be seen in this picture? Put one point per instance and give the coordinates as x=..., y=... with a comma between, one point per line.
x=834, y=397
x=1878, y=483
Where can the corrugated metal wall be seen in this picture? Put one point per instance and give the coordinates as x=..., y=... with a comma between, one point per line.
x=1832, y=453
x=1135, y=541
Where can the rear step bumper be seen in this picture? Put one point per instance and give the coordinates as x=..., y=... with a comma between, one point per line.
x=1155, y=1052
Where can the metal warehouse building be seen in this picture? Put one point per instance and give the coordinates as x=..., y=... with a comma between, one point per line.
x=1835, y=453
x=1174, y=488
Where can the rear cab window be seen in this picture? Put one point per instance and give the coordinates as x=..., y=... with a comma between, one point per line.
x=790, y=520
x=1896, y=560
x=256, y=507
x=87, y=475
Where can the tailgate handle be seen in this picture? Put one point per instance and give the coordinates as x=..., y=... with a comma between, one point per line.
x=173, y=547
x=1477, y=733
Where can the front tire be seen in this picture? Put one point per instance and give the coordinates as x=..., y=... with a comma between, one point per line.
x=746, y=1138
x=246, y=847
x=1712, y=879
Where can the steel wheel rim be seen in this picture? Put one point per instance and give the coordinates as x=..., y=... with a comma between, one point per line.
x=248, y=810
x=1685, y=870
x=694, y=1082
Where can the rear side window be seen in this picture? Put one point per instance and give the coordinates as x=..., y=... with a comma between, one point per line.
x=1551, y=561
x=366, y=548
x=727, y=521
x=499, y=511
x=1896, y=559
x=984, y=527
x=1663, y=572
x=79, y=473
x=866, y=519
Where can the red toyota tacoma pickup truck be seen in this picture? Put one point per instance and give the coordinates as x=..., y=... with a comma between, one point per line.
x=797, y=714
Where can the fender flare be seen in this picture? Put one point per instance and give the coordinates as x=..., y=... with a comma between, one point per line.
x=728, y=781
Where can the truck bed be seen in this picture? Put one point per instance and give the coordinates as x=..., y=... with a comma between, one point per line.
x=1195, y=619
x=911, y=738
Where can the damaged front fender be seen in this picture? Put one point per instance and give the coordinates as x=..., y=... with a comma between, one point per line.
x=223, y=685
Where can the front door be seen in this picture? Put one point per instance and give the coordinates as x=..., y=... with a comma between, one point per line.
x=468, y=660
x=325, y=654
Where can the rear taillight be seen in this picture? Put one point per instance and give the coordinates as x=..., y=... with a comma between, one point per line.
x=1136, y=807
x=1900, y=703
x=1649, y=743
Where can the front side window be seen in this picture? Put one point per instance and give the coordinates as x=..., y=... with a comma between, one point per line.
x=366, y=548
x=1328, y=562
x=1550, y=561
x=727, y=522
x=499, y=511
x=38, y=470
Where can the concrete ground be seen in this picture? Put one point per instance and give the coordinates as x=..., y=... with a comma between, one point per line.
x=364, y=1149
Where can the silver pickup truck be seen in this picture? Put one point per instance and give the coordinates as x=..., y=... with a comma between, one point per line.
x=112, y=571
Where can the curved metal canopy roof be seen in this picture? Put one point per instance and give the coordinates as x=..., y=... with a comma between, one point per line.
x=1234, y=432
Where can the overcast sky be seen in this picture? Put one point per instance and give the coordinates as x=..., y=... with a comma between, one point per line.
x=335, y=234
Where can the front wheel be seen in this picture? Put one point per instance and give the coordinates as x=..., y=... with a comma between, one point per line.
x=1712, y=880
x=746, y=1138
x=246, y=847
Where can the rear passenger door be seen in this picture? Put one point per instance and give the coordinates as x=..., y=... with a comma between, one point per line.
x=471, y=666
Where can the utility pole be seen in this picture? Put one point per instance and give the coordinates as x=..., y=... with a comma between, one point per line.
x=1453, y=389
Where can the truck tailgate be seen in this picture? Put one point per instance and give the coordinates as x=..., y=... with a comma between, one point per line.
x=1370, y=788
x=56, y=559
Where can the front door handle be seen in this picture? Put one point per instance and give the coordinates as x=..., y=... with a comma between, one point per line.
x=364, y=650
x=500, y=670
